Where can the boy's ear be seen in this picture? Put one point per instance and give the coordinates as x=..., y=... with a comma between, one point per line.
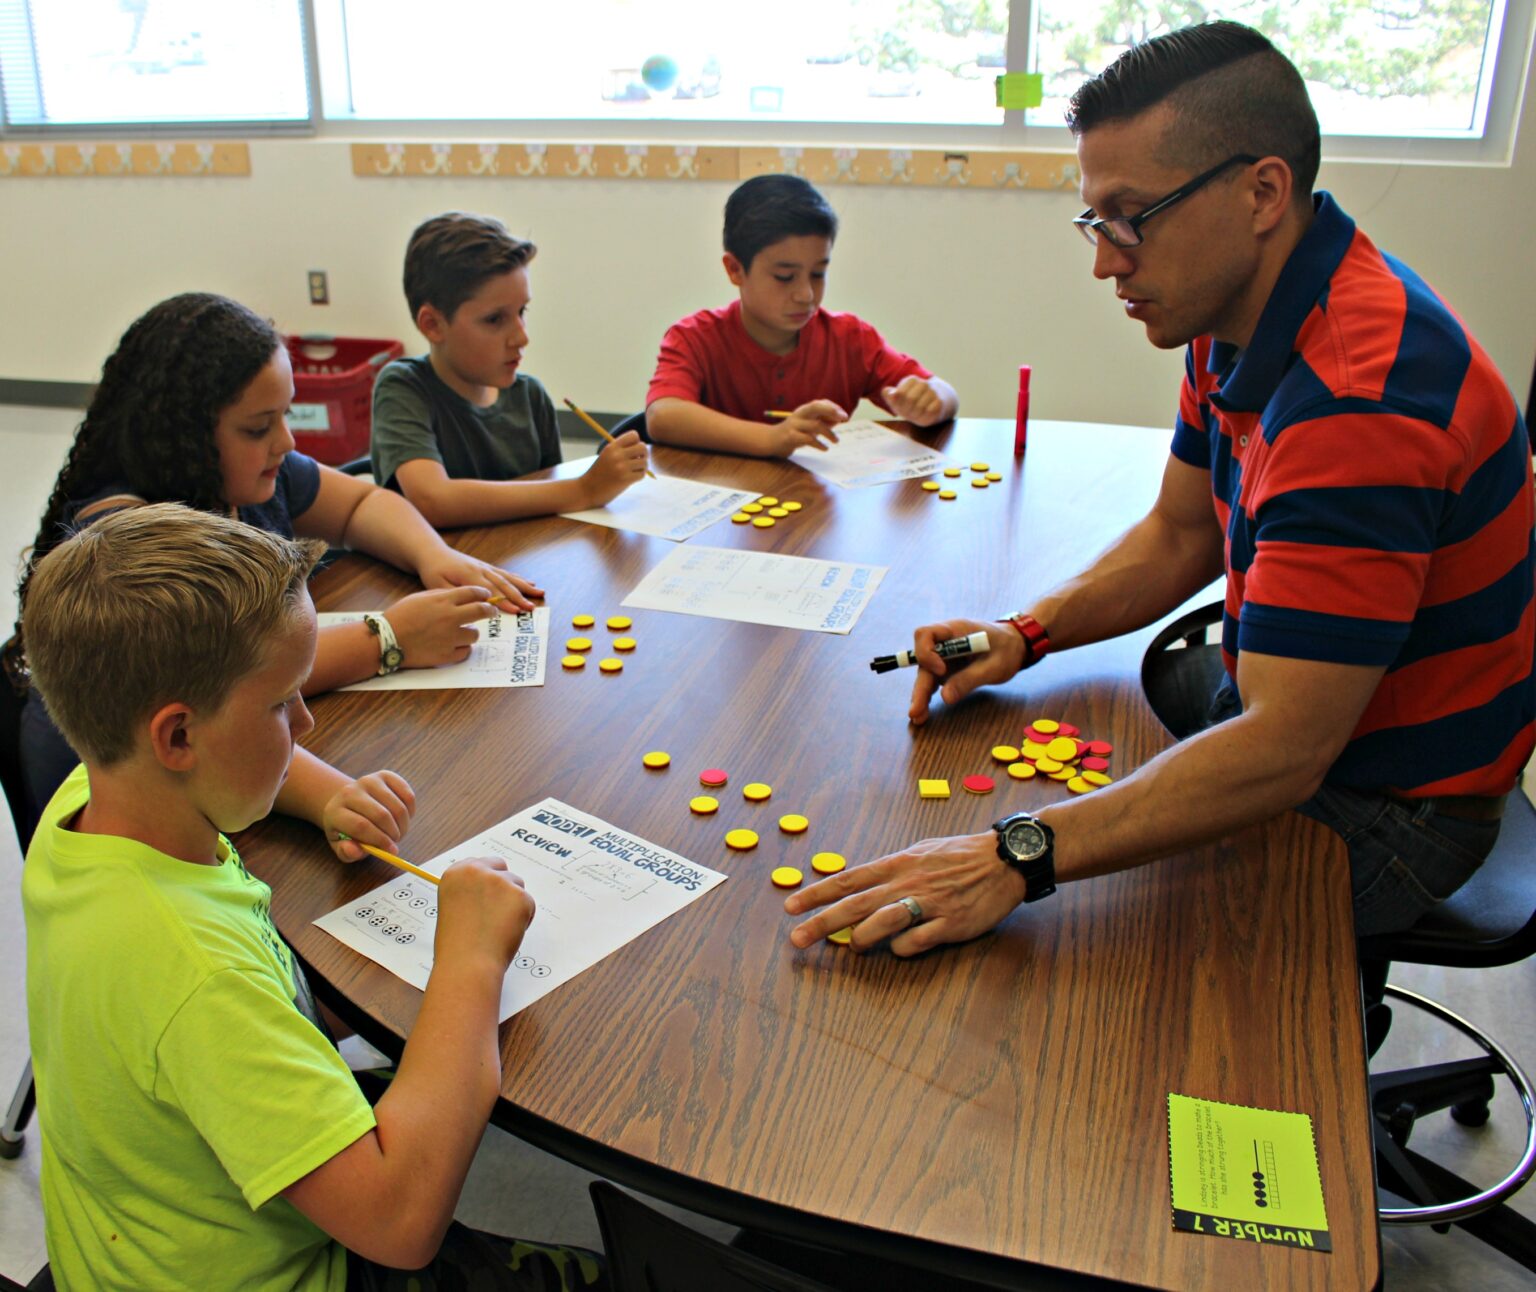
x=431, y=323
x=734, y=269
x=171, y=738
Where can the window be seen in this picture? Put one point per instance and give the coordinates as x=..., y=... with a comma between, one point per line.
x=132, y=62
x=1445, y=76
x=1373, y=67
x=853, y=61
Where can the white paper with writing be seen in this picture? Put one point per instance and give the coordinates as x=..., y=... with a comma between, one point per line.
x=759, y=588
x=867, y=453
x=666, y=507
x=597, y=887
x=511, y=652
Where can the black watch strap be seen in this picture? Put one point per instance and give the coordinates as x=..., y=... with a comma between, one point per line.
x=1038, y=868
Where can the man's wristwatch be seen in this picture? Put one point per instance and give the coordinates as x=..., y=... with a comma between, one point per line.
x=1037, y=642
x=390, y=654
x=1029, y=845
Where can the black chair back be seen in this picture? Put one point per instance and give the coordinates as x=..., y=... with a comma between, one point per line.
x=10, y=763
x=650, y=1252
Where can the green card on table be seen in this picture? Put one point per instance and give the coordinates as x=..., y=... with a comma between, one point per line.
x=1245, y=1173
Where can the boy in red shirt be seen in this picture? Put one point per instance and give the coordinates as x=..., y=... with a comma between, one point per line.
x=722, y=373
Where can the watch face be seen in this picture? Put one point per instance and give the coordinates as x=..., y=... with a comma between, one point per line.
x=1025, y=840
x=392, y=658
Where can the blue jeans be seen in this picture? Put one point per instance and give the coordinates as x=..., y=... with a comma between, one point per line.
x=1404, y=858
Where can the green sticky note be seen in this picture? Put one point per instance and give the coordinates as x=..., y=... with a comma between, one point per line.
x=1020, y=89
x=1245, y=1173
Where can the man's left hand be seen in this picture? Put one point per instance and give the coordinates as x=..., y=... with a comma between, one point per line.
x=962, y=886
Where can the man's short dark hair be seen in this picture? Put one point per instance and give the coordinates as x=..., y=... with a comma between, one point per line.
x=451, y=255
x=1230, y=90
x=768, y=209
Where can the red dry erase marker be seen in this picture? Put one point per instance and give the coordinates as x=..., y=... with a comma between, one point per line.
x=1021, y=423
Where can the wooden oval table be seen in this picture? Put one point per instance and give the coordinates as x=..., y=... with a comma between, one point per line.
x=982, y=1106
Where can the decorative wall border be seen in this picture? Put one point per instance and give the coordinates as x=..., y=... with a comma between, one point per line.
x=124, y=160
x=890, y=167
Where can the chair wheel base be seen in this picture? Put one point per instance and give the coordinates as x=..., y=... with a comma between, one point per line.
x=1472, y=1113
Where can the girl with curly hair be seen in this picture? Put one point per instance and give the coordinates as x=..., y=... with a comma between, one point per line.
x=192, y=408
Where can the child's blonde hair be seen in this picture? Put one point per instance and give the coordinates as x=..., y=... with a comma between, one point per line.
x=151, y=605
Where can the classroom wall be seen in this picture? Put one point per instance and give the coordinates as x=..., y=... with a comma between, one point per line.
x=973, y=283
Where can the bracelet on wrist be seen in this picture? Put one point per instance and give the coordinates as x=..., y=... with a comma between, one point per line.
x=1037, y=642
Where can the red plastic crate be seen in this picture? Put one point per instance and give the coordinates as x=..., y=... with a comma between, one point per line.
x=333, y=378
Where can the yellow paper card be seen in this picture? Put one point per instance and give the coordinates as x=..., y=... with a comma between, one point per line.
x=1245, y=1173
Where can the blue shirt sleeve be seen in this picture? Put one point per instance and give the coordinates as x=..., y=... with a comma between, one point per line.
x=300, y=476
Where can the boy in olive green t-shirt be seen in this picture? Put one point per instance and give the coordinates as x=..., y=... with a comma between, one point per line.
x=200, y=1130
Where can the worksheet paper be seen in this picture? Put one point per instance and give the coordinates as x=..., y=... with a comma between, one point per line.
x=867, y=453
x=510, y=652
x=597, y=887
x=759, y=588
x=666, y=507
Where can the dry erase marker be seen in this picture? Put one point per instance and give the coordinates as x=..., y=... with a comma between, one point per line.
x=954, y=648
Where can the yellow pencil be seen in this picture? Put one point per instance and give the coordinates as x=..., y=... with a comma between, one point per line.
x=391, y=859
x=593, y=424
x=776, y=412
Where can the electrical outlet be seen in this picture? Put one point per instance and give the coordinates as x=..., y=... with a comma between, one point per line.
x=319, y=287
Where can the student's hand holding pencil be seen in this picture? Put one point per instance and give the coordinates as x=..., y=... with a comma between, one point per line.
x=483, y=910
x=619, y=465
x=374, y=809
x=806, y=427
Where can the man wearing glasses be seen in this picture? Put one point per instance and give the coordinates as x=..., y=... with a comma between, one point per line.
x=1344, y=453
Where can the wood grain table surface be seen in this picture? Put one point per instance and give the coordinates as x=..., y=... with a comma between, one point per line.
x=987, y=1104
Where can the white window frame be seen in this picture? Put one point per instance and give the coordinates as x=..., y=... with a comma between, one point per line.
x=190, y=128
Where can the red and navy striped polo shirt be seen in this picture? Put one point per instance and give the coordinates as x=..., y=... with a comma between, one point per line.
x=1373, y=478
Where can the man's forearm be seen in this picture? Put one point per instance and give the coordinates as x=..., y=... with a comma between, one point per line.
x=1211, y=785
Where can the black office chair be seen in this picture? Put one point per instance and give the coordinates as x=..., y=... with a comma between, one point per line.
x=1181, y=670
x=357, y=467
x=1490, y=921
x=650, y=1252
x=19, y=1111
x=634, y=422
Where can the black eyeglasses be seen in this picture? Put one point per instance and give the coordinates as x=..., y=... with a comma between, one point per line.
x=1125, y=230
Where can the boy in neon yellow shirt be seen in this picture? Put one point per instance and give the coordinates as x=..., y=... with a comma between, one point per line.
x=200, y=1130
